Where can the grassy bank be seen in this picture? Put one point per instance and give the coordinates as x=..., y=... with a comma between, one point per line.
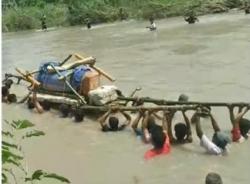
x=26, y=14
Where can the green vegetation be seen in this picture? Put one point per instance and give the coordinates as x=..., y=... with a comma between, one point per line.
x=26, y=14
x=14, y=168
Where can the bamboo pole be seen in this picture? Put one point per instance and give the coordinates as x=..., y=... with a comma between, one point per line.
x=65, y=60
x=9, y=75
x=123, y=108
x=169, y=102
x=28, y=78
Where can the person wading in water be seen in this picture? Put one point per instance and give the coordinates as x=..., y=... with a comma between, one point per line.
x=191, y=18
x=113, y=124
x=43, y=23
x=152, y=26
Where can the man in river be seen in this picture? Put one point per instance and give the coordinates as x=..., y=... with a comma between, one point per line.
x=247, y=8
x=159, y=139
x=213, y=178
x=219, y=141
x=152, y=26
x=241, y=126
x=148, y=123
x=183, y=132
x=113, y=123
x=43, y=22
x=191, y=18
x=87, y=21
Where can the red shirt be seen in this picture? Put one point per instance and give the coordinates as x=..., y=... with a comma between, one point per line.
x=236, y=135
x=154, y=152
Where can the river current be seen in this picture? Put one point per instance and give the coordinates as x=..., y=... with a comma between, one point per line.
x=208, y=61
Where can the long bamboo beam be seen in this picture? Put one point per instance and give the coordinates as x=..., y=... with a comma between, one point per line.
x=169, y=102
x=124, y=108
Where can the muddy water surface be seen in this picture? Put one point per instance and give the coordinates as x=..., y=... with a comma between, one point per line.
x=209, y=61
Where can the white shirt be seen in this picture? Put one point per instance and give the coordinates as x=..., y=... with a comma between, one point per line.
x=210, y=147
x=153, y=25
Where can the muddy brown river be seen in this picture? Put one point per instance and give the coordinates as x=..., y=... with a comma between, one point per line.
x=209, y=61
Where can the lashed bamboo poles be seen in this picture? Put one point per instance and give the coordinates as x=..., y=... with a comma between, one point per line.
x=169, y=102
x=124, y=108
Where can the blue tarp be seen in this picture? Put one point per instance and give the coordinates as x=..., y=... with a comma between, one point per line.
x=51, y=82
x=78, y=75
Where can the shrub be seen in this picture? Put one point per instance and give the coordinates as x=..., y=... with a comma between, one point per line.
x=13, y=170
x=233, y=3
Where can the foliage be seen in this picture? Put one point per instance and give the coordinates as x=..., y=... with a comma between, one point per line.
x=13, y=157
x=233, y=3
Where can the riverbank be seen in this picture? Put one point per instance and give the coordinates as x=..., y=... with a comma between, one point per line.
x=28, y=16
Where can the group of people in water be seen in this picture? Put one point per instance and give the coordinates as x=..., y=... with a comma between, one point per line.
x=160, y=135
x=191, y=18
x=156, y=127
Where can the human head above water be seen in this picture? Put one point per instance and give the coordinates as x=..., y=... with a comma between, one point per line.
x=183, y=98
x=151, y=19
x=64, y=109
x=151, y=123
x=213, y=178
x=12, y=98
x=180, y=131
x=113, y=123
x=158, y=137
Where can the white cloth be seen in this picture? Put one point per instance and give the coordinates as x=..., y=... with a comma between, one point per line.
x=153, y=25
x=210, y=147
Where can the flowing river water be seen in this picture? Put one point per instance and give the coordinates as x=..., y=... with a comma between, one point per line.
x=208, y=61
